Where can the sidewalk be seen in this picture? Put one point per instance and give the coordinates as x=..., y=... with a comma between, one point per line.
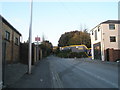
x=14, y=72
x=40, y=77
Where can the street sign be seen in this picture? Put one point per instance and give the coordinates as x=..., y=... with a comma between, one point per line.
x=37, y=38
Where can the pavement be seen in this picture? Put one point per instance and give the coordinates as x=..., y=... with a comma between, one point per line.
x=14, y=72
x=54, y=72
x=40, y=77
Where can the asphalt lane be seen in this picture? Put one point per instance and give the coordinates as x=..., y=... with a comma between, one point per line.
x=81, y=73
x=55, y=72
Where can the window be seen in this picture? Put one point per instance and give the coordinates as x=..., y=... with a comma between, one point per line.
x=95, y=34
x=7, y=35
x=112, y=39
x=111, y=26
x=16, y=41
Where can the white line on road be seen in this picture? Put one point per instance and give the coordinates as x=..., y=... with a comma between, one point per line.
x=56, y=81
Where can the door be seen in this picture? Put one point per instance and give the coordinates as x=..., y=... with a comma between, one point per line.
x=97, y=51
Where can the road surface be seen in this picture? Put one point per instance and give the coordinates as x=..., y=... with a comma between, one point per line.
x=54, y=72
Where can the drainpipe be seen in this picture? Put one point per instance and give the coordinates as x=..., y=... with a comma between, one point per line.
x=102, y=45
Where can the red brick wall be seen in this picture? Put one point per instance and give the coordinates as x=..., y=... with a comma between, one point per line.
x=113, y=54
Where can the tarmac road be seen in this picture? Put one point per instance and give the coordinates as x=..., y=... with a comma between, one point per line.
x=54, y=72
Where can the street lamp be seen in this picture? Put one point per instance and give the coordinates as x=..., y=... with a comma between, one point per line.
x=30, y=40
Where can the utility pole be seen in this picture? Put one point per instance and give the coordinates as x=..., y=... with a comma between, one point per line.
x=30, y=41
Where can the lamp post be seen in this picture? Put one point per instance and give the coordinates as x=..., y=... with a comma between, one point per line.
x=30, y=41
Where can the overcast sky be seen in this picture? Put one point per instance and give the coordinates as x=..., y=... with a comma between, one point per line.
x=55, y=18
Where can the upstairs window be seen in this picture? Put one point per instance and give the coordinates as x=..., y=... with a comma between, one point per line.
x=7, y=35
x=16, y=41
x=112, y=26
x=112, y=39
x=95, y=34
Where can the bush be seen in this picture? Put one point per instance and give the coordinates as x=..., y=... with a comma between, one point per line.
x=77, y=55
x=69, y=54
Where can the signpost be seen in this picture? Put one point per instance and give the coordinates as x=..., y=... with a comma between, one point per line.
x=37, y=39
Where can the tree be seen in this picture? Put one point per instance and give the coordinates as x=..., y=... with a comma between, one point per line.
x=46, y=47
x=75, y=38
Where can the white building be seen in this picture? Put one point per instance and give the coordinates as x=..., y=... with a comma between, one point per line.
x=103, y=36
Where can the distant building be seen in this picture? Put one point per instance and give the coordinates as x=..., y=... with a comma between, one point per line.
x=11, y=42
x=75, y=48
x=105, y=40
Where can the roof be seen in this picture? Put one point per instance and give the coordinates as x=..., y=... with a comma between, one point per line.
x=108, y=22
x=112, y=21
x=6, y=22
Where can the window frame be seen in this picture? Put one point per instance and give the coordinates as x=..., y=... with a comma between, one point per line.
x=16, y=41
x=7, y=35
x=96, y=38
x=111, y=39
x=110, y=27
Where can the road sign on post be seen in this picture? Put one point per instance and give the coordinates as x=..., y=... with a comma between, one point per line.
x=37, y=39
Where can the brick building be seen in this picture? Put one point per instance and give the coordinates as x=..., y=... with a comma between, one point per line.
x=11, y=42
x=105, y=41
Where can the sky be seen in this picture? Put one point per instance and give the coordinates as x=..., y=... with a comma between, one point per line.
x=52, y=19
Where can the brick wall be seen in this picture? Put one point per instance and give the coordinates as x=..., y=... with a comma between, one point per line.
x=12, y=50
x=112, y=54
x=24, y=53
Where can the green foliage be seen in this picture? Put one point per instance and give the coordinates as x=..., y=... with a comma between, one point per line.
x=46, y=47
x=56, y=51
x=77, y=55
x=69, y=54
x=75, y=38
x=63, y=54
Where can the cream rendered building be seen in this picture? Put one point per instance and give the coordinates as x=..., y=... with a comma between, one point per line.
x=103, y=36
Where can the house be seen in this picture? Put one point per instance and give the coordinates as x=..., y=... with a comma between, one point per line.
x=11, y=42
x=105, y=41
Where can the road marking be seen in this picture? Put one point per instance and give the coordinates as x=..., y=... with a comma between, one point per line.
x=56, y=81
